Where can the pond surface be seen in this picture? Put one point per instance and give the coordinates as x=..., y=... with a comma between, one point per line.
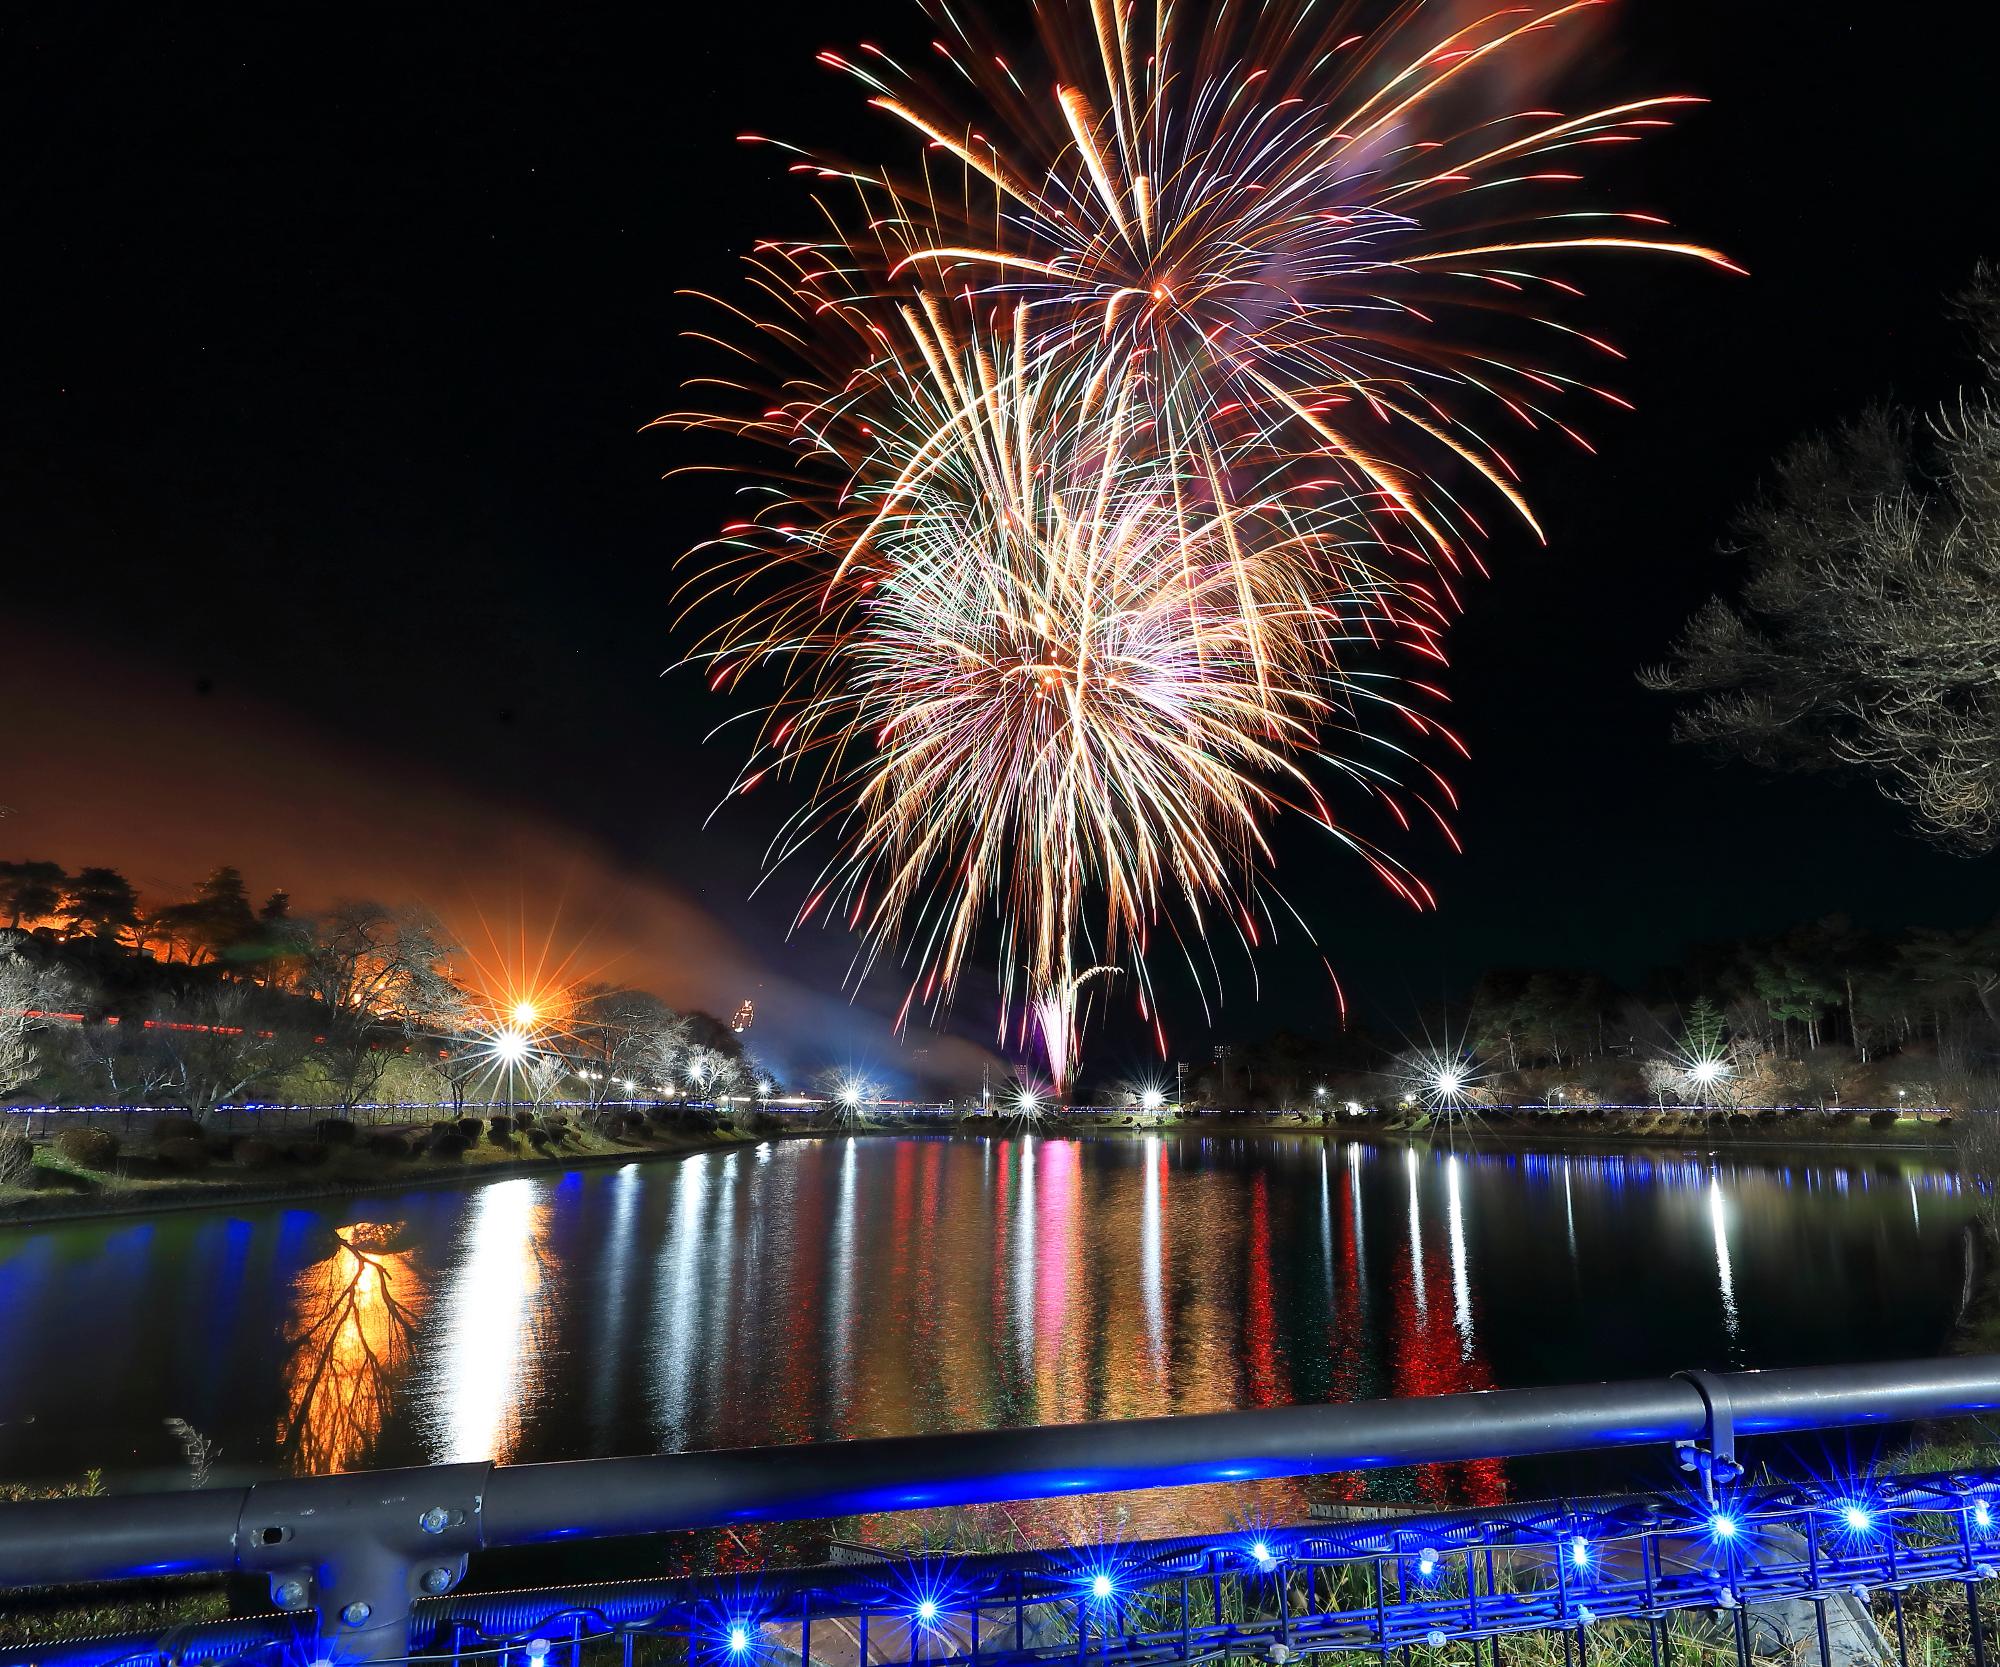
x=813, y=1289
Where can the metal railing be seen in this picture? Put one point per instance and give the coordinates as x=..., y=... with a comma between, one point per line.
x=366, y=1567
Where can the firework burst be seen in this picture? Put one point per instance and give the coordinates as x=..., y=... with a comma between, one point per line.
x=1039, y=672
x=1121, y=458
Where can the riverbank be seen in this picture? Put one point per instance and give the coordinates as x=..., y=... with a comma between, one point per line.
x=64, y=1190
x=139, y=1181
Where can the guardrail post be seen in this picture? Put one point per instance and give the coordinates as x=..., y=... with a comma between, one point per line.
x=1713, y=1455
x=360, y=1550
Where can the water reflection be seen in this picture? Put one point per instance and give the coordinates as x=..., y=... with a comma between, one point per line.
x=347, y=1345
x=1461, y=1282
x=676, y=1339
x=491, y=1344
x=828, y=1289
x=1719, y=1223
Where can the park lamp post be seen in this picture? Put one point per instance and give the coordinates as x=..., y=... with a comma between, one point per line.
x=510, y=1047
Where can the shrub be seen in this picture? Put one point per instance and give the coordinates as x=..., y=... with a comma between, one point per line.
x=501, y=1135
x=184, y=1155
x=164, y=1129
x=17, y=1159
x=258, y=1153
x=386, y=1145
x=539, y=1139
x=88, y=1148
x=469, y=1127
x=334, y=1131
x=524, y=1119
x=503, y=1124
x=307, y=1152
x=448, y=1142
x=1883, y=1119
x=1840, y=1119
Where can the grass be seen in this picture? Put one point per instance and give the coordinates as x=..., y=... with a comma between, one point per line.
x=33, y=1618
x=68, y=1190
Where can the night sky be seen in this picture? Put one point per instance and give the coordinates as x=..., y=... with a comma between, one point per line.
x=333, y=546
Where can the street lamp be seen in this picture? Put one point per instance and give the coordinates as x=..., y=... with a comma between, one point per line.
x=510, y=1047
x=1152, y=1099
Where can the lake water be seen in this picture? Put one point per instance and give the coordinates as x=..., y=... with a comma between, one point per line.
x=814, y=1289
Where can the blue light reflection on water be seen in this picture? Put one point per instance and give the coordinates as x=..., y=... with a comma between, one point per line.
x=812, y=1290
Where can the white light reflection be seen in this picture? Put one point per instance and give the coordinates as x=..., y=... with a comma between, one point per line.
x=487, y=1334
x=1569, y=1215
x=840, y=1340
x=1024, y=1256
x=1149, y=1256
x=1719, y=1221
x=1416, y=1236
x=1461, y=1282
x=678, y=1317
x=1326, y=1219
x=608, y=1335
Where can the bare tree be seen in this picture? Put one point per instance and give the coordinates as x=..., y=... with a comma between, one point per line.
x=1869, y=630
x=617, y=1041
x=218, y=1049
x=29, y=992
x=378, y=976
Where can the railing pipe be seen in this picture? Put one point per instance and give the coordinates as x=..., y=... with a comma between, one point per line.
x=56, y=1541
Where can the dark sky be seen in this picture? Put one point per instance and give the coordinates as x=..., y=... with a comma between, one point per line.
x=328, y=335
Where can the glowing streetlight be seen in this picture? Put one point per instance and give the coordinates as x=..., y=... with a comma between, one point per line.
x=1152, y=1099
x=1705, y=1071
x=1449, y=1081
x=525, y=1014
x=1027, y=1102
x=510, y=1046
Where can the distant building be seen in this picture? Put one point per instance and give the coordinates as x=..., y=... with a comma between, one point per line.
x=746, y=1014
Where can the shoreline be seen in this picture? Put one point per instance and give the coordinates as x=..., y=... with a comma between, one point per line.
x=56, y=1207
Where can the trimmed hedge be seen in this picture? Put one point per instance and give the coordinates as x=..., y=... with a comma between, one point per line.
x=256, y=1153
x=183, y=1154
x=88, y=1148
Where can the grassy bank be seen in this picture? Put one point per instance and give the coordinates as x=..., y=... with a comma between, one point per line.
x=172, y=1166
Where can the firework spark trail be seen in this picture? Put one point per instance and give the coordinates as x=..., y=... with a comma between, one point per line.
x=1306, y=229
x=1121, y=451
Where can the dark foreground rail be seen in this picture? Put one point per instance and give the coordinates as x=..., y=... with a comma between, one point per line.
x=358, y=1565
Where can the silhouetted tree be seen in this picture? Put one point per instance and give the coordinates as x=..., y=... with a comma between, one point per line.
x=101, y=900
x=31, y=889
x=1870, y=621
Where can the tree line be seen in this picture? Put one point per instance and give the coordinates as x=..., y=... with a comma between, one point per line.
x=213, y=999
x=1825, y=1013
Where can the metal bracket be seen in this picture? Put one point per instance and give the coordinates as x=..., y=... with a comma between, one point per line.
x=1713, y=1455
x=360, y=1550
